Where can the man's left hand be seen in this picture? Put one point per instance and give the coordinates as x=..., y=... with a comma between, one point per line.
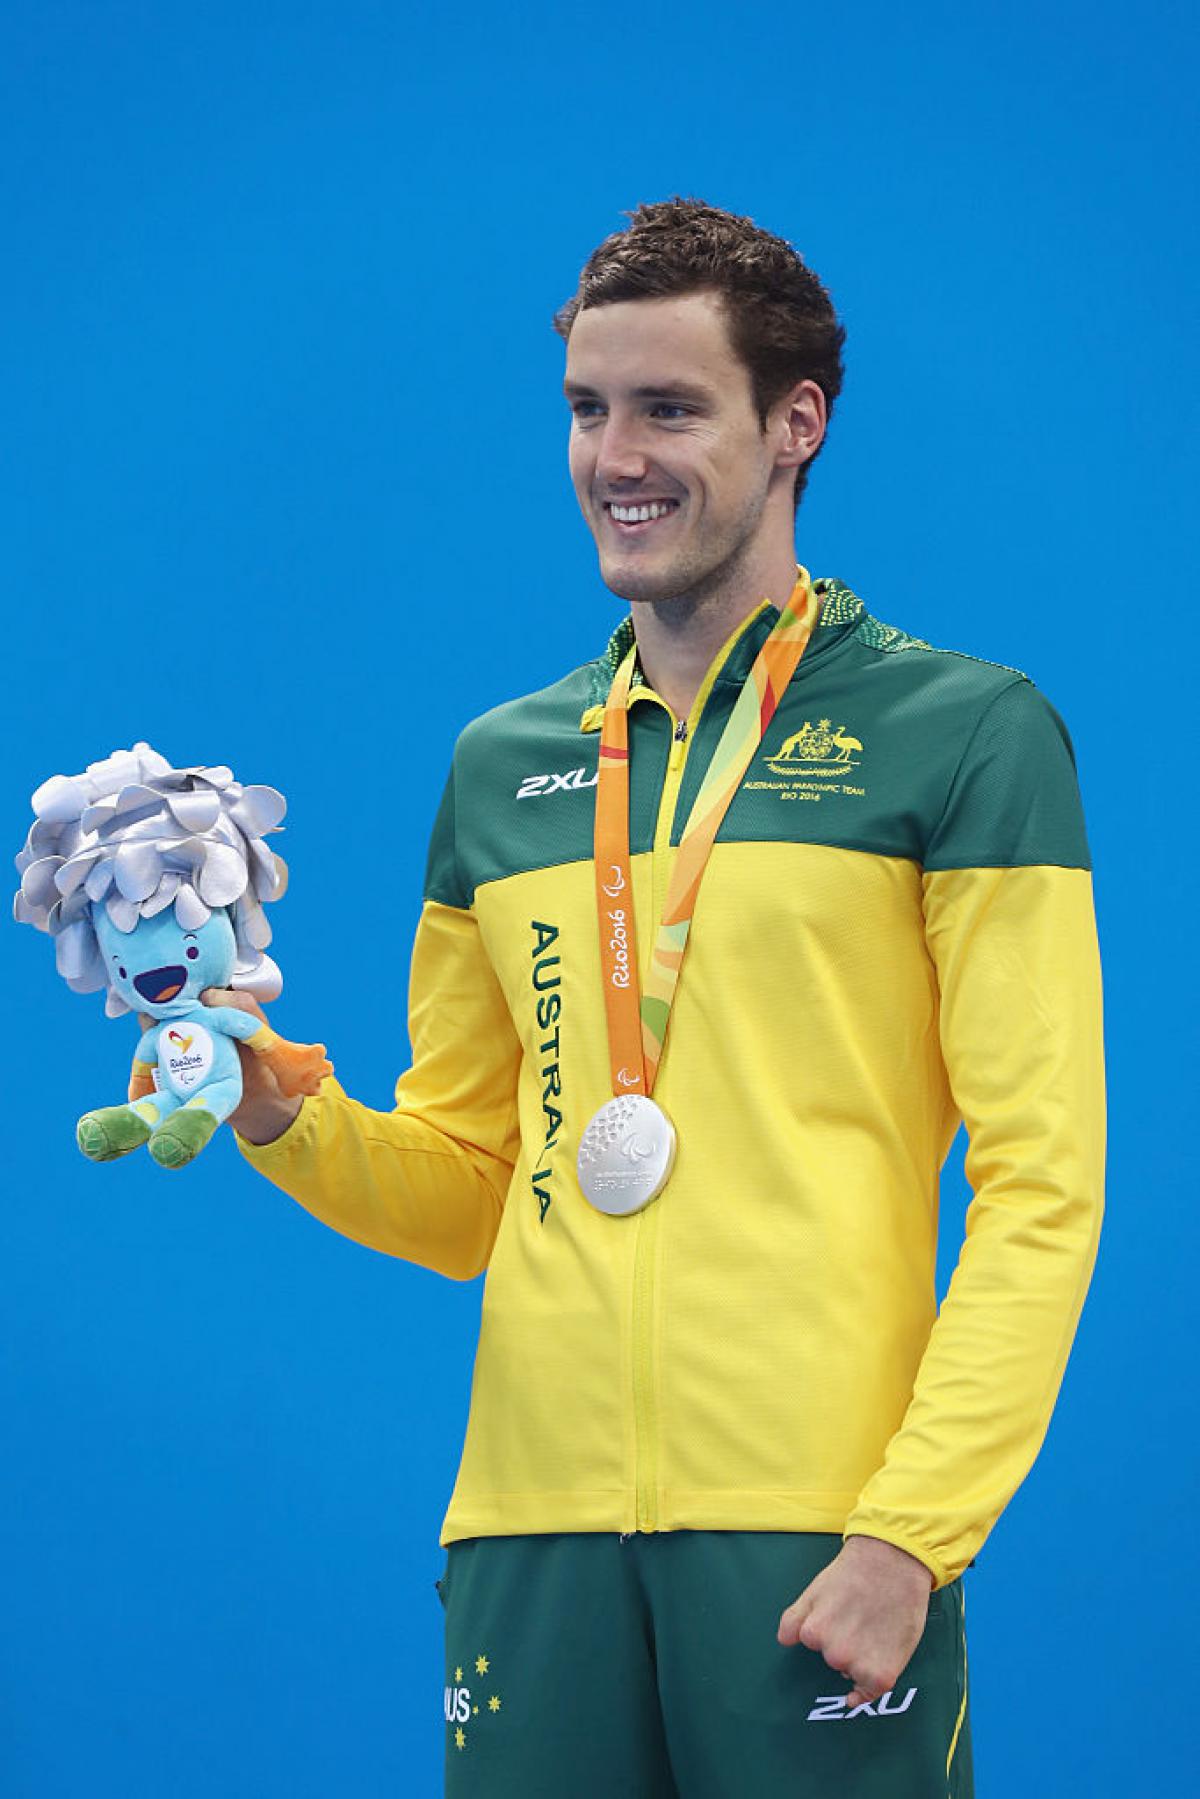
x=864, y=1613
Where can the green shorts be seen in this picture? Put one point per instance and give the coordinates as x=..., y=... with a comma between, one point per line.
x=646, y=1667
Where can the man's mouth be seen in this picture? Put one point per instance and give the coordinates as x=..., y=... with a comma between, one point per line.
x=633, y=518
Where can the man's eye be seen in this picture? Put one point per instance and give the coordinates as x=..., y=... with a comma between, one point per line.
x=668, y=406
x=585, y=409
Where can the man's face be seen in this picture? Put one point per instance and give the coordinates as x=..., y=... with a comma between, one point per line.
x=670, y=464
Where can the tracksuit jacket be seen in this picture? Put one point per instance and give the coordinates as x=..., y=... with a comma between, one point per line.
x=894, y=933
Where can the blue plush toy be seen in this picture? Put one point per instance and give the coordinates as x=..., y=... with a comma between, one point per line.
x=152, y=881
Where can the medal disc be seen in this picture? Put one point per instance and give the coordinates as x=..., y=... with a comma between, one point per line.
x=626, y=1155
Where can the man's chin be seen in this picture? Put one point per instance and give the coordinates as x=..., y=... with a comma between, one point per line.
x=632, y=583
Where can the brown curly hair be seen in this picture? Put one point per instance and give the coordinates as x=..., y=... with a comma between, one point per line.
x=782, y=325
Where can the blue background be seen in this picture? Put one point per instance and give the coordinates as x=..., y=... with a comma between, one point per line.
x=284, y=485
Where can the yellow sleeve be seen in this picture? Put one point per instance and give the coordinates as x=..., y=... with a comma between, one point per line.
x=1018, y=969
x=428, y=1180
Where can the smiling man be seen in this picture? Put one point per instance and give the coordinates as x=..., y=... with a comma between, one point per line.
x=724, y=935
x=689, y=493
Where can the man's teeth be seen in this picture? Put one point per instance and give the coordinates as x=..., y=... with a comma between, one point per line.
x=634, y=515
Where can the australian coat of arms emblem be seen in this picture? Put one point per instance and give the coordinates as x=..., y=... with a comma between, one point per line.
x=819, y=746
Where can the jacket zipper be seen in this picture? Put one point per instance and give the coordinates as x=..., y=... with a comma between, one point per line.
x=645, y=1249
x=645, y=1406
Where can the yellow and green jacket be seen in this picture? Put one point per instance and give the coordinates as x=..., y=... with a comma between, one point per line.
x=895, y=932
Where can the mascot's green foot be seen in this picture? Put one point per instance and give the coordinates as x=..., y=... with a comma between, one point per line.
x=112, y=1132
x=181, y=1137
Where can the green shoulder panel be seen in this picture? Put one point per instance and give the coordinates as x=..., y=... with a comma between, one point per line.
x=892, y=747
x=864, y=747
x=1014, y=800
x=443, y=882
x=519, y=795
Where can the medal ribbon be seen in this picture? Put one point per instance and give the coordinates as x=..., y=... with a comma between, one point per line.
x=637, y=1029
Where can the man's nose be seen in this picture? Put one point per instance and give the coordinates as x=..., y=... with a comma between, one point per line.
x=620, y=456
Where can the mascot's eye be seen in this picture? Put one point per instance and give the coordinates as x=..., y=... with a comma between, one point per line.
x=191, y=952
x=122, y=974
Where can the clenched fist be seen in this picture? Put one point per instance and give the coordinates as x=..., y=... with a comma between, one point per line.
x=865, y=1613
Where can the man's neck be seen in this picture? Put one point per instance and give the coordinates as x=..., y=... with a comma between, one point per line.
x=678, y=638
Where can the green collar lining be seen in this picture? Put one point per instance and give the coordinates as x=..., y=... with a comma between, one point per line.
x=841, y=607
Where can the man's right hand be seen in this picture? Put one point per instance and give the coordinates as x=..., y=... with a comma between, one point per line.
x=264, y=1113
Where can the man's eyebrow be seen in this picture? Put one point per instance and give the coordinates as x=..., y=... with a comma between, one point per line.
x=658, y=390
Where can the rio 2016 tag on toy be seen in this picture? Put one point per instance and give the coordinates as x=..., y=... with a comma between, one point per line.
x=152, y=881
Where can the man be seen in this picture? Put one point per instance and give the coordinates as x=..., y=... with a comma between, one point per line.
x=726, y=1462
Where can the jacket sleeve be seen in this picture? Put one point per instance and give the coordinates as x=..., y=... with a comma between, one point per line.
x=1011, y=932
x=428, y=1180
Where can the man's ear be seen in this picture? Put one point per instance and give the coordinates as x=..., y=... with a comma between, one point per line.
x=798, y=419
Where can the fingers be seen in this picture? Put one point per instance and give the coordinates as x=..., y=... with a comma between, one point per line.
x=793, y=1621
x=216, y=996
x=808, y=1632
x=810, y=1624
x=229, y=996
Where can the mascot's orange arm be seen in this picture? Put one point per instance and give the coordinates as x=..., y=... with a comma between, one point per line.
x=298, y=1067
x=141, y=1079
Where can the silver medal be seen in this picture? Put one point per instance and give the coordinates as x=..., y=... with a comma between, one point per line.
x=626, y=1155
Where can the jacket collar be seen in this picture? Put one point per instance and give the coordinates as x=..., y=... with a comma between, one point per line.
x=840, y=608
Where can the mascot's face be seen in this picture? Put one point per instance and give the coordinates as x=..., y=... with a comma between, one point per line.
x=159, y=968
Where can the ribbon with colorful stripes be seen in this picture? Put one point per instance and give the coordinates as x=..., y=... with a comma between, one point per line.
x=637, y=1032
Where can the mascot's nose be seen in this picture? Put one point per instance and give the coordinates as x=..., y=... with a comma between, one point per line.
x=158, y=985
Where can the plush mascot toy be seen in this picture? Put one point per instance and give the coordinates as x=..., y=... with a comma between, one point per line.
x=151, y=880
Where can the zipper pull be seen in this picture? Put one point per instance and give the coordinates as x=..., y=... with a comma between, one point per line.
x=681, y=731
